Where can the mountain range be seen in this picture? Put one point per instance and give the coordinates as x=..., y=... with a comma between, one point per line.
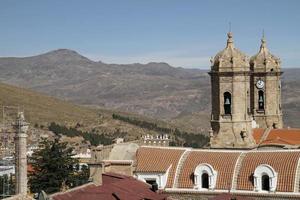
x=156, y=90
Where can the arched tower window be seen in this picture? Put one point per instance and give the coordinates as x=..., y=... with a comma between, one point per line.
x=227, y=103
x=261, y=100
x=265, y=178
x=205, y=177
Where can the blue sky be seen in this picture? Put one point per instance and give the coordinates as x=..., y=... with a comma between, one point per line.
x=182, y=33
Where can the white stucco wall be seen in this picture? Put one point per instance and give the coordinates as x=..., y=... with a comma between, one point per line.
x=160, y=178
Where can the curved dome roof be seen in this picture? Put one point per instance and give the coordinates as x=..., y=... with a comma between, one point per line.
x=264, y=56
x=229, y=55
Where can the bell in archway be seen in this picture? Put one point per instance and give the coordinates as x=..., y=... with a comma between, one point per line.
x=227, y=101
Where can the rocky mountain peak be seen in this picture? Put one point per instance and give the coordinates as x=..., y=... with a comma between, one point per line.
x=63, y=54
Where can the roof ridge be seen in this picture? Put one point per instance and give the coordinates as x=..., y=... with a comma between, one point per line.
x=115, y=175
x=72, y=189
x=180, y=163
x=236, y=171
x=297, y=177
x=265, y=135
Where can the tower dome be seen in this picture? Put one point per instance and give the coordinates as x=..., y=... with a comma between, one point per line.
x=264, y=61
x=230, y=59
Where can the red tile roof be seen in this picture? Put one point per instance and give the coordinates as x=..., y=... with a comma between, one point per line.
x=277, y=136
x=283, y=162
x=222, y=162
x=257, y=134
x=151, y=159
x=114, y=185
x=283, y=136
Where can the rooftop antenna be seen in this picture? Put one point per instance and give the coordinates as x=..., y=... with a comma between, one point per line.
x=263, y=34
x=229, y=27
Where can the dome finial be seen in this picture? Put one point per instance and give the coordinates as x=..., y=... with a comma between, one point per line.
x=230, y=40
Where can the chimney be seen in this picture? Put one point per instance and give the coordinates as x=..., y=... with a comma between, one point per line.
x=96, y=166
x=21, y=128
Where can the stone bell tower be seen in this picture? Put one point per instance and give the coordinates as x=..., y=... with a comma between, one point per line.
x=266, y=88
x=231, y=119
x=21, y=128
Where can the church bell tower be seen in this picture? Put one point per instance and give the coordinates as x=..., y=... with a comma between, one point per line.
x=266, y=88
x=231, y=118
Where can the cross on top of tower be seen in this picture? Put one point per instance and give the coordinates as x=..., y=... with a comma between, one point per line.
x=263, y=46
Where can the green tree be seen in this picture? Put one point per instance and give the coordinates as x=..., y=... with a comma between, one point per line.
x=53, y=167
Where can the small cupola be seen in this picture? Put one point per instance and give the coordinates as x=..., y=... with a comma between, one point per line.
x=230, y=59
x=264, y=61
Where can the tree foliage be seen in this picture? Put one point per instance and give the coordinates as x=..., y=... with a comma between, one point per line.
x=180, y=138
x=53, y=167
x=94, y=138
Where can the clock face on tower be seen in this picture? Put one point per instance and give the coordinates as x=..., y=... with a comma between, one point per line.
x=260, y=84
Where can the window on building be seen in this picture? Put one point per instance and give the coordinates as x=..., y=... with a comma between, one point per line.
x=265, y=178
x=227, y=103
x=205, y=183
x=205, y=177
x=265, y=182
x=261, y=100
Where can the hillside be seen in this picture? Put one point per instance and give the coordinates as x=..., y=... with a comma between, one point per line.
x=157, y=90
x=94, y=125
x=40, y=108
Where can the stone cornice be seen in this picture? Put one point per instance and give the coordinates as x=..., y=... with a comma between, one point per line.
x=230, y=73
x=267, y=73
x=246, y=73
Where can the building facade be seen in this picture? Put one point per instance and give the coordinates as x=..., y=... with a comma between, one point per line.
x=250, y=154
x=265, y=95
x=246, y=94
x=186, y=173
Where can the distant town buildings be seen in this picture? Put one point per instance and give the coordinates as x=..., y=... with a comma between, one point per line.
x=156, y=140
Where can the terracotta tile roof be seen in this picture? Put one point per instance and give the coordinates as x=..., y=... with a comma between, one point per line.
x=257, y=134
x=151, y=159
x=113, y=186
x=222, y=162
x=283, y=136
x=283, y=162
x=277, y=136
